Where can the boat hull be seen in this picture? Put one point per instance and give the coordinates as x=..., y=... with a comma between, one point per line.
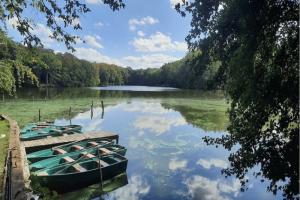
x=68, y=182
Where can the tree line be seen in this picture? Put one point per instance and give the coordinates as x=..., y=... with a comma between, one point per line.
x=34, y=67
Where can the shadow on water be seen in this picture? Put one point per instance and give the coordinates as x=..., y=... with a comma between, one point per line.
x=94, y=191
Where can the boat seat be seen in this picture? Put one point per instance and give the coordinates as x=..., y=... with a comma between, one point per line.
x=79, y=168
x=103, y=164
x=88, y=155
x=105, y=151
x=93, y=144
x=68, y=159
x=77, y=147
x=59, y=151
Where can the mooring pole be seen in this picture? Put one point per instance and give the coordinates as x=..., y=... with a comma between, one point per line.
x=102, y=104
x=70, y=110
x=39, y=114
x=3, y=99
x=92, y=112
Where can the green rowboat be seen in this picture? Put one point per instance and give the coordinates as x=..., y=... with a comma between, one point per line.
x=67, y=148
x=81, y=174
x=35, y=126
x=51, y=131
x=73, y=156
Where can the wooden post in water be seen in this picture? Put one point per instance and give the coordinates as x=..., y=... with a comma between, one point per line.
x=39, y=114
x=70, y=110
x=102, y=105
x=3, y=99
x=92, y=111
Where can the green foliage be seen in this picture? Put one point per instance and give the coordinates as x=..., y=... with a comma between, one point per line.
x=190, y=72
x=53, y=12
x=256, y=43
x=7, y=80
x=13, y=71
x=112, y=74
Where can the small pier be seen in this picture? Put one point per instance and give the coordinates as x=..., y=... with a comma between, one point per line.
x=16, y=171
x=54, y=141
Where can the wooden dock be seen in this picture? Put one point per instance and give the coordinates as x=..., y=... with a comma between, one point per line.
x=16, y=172
x=54, y=141
x=15, y=169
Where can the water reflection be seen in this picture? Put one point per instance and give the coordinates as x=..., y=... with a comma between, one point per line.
x=203, y=188
x=167, y=156
x=136, y=189
x=95, y=192
x=213, y=162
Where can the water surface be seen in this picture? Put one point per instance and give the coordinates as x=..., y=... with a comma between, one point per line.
x=162, y=130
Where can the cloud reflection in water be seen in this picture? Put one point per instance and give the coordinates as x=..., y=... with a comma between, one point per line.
x=203, y=188
x=136, y=188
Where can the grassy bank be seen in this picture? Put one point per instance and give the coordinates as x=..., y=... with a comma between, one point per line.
x=25, y=111
x=4, y=136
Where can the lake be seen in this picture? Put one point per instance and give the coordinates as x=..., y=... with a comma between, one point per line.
x=162, y=128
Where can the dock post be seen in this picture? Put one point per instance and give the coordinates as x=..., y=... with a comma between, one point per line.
x=92, y=111
x=39, y=114
x=102, y=115
x=3, y=99
x=70, y=110
x=102, y=104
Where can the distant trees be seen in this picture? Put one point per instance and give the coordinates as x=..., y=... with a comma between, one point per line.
x=112, y=74
x=190, y=72
x=23, y=67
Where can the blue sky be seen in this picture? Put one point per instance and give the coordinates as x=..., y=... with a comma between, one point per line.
x=147, y=33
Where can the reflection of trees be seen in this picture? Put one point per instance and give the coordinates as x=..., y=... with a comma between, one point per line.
x=271, y=143
x=209, y=119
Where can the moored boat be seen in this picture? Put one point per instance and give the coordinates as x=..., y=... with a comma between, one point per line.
x=73, y=156
x=81, y=173
x=36, y=126
x=67, y=148
x=51, y=131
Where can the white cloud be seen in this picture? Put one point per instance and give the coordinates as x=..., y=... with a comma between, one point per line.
x=98, y=2
x=13, y=22
x=158, y=42
x=207, y=164
x=135, y=189
x=99, y=24
x=146, y=61
x=141, y=33
x=44, y=33
x=200, y=187
x=133, y=23
x=92, y=41
x=93, y=55
x=157, y=124
x=176, y=164
x=175, y=2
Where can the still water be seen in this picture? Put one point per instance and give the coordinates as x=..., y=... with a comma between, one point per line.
x=163, y=131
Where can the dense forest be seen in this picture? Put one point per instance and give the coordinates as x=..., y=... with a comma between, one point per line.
x=23, y=67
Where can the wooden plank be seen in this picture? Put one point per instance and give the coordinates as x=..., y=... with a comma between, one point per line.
x=69, y=138
x=18, y=171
